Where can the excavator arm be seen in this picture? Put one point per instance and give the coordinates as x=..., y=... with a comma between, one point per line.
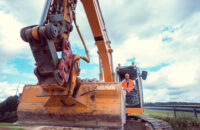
x=50, y=37
x=52, y=34
x=60, y=97
x=97, y=25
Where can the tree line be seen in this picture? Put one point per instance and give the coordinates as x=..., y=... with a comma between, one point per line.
x=170, y=103
x=8, y=109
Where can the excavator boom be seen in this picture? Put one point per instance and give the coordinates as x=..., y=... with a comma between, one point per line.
x=96, y=21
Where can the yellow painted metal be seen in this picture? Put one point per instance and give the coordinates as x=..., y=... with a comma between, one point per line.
x=134, y=110
x=97, y=26
x=94, y=105
x=35, y=34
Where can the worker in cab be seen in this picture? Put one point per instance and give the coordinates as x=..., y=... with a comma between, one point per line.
x=128, y=84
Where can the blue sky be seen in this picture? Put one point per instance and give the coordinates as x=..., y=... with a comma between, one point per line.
x=161, y=37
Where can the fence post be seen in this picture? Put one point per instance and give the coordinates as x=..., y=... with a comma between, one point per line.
x=195, y=113
x=174, y=110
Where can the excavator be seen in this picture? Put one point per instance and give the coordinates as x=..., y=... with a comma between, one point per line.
x=61, y=98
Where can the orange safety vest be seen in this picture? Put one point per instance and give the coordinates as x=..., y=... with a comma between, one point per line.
x=129, y=86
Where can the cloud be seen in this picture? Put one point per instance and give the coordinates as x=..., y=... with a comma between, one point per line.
x=10, y=34
x=179, y=81
x=182, y=74
x=144, y=18
x=12, y=47
x=10, y=42
x=25, y=11
x=144, y=50
x=14, y=16
x=8, y=69
x=9, y=89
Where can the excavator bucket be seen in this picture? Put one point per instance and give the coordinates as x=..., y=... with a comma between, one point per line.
x=94, y=105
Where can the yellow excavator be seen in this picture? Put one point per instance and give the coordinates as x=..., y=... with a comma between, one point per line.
x=60, y=97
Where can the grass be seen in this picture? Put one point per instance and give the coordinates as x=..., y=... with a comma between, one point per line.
x=169, y=114
x=183, y=121
x=10, y=126
x=7, y=124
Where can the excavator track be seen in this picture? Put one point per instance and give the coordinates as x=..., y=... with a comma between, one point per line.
x=136, y=122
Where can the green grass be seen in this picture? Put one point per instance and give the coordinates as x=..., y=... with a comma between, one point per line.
x=157, y=113
x=182, y=122
x=7, y=124
x=169, y=114
x=10, y=126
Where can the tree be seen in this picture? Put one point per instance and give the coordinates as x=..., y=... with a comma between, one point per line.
x=8, y=109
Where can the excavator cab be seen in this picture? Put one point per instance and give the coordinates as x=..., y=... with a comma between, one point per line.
x=134, y=99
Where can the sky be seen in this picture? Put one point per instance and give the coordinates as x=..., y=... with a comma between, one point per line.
x=160, y=36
